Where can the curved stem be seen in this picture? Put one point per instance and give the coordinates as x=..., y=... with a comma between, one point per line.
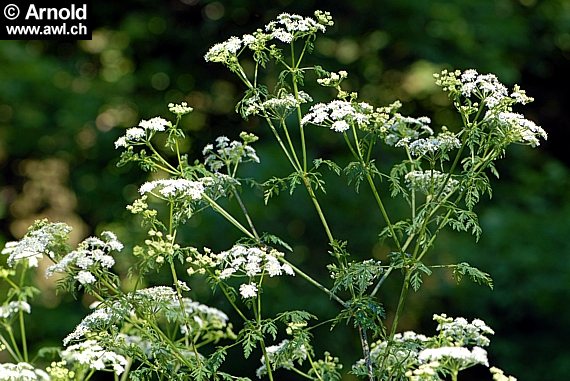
x=370, y=180
x=294, y=69
x=8, y=347
x=227, y=216
x=309, y=279
x=309, y=357
x=246, y=214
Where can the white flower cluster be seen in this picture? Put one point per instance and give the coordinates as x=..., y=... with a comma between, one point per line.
x=180, y=109
x=139, y=134
x=158, y=293
x=224, y=51
x=21, y=371
x=202, y=313
x=461, y=332
x=174, y=188
x=499, y=375
x=333, y=80
x=134, y=342
x=96, y=319
x=443, y=142
x=92, y=354
x=277, y=107
x=403, y=351
x=430, y=182
x=339, y=114
x=519, y=95
x=91, y=254
x=242, y=261
x=252, y=261
x=457, y=346
x=248, y=290
x=286, y=28
x=484, y=86
x=523, y=130
x=462, y=356
x=406, y=128
x=191, y=315
x=154, y=124
x=228, y=153
x=425, y=372
x=36, y=243
x=12, y=308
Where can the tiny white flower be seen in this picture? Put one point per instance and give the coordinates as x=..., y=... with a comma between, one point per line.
x=121, y=142
x=13, y=308
x=85, y=277
x=463, y=355
x=248, y=290
x=180, y=109
x=340, y=126
x=182, y=285
x=174, y=188
x=135, y=134
x=288, y=269
x=154, y=124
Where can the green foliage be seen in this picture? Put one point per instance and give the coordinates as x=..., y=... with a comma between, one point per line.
x=440, y=175
x=465, y=269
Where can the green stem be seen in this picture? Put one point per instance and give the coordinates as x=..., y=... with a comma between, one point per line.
x=366, y=352
x=291, y=147
x=266, y=357
x=23, y=334
x=309, y=279
x=399, y=310
x=232, y=303
x=313, y=366
x=15, y=351
x=303, y=374
x=454, y=374
x=227, y=216
x=381, y=281
x=294, y=163
x=370, y=180
x=8, y=347
x=295, y=66
x=21, y=322
x=125, y=375
x=246, y=214
x=161, y=159
x=317, y=206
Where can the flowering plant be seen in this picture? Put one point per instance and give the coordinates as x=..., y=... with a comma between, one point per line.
x=139, y=332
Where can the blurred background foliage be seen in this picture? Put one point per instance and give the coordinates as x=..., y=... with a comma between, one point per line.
x=62, y=105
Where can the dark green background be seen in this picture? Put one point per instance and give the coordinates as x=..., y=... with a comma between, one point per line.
x=62, y=105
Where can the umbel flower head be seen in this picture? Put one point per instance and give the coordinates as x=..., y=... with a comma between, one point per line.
x=22, y=372
x=339, y=115
x=91, y=256
x=230, y=154
x=147, y=128
x=174, y=188
x=94, y=356
x=42, y=238
x=473, y=90
x=286, y=28
x=242, y=262
x=457, y=346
